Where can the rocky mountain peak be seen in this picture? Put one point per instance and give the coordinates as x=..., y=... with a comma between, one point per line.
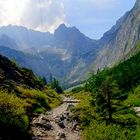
x=118, y=42
x=137, y=4
x=64, y=29
x=61, y=28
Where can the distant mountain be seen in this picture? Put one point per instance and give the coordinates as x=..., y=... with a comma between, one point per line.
x=73, y=40
x=7, y=41
x=26, y=38
x=33, y=62
x=120, y=40
x=66, y=54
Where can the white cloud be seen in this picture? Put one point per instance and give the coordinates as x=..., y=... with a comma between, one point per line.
x=11, y=11
x=43, y=15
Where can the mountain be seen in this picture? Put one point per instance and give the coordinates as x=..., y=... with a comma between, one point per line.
x=22, y=95
x=117, y=88
x=120, y=40
x=67, y=38
x=69, y=55
x=7, y=41
x=26, y=38
x=34, y=62
x=66, y=54
x=73, y=40
x=11, y=73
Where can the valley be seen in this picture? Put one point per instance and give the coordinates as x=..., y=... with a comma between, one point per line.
x=63, y=85
x=73, y=54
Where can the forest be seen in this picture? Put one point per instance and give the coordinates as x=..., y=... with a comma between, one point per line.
x=108, y=101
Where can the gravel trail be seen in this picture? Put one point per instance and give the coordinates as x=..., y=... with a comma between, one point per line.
x=57, y=124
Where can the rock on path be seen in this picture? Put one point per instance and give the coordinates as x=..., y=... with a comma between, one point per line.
x=137, y=110
x=57, y=124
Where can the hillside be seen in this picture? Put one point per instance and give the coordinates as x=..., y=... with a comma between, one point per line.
x=120, y=40
x=63, y=85
x=10, y=72
x=108, y=102
x=22, y=96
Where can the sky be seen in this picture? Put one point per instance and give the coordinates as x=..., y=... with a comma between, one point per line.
x=91, y=17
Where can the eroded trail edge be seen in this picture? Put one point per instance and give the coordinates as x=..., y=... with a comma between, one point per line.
x=57, y=124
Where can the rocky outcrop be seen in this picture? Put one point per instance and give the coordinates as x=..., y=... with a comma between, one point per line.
x=120, y=40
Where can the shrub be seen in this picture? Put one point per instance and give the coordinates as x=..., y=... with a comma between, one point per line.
x=102, y=131
x=13, y=118
x=37, y=99
x=77, y=89
x=134, y=97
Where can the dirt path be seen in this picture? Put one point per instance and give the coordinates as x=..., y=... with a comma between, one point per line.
x=57, y=124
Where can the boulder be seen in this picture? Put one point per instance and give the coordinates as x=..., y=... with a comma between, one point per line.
x=46, y=126
x=61, y=125
x=61, y=136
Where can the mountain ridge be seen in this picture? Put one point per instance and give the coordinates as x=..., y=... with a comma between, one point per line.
x=66, y=51
x=122, y=38
x=69, y=55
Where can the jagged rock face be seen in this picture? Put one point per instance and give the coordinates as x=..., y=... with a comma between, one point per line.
x=137, y=5
x=120, y=40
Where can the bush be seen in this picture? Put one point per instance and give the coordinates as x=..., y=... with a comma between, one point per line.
x=36, y=99
x=13, y=118
x=134, y=97
x=126, y=120
x=77, y=89
x=55, y=85
x=102, y=131
x=39, y=101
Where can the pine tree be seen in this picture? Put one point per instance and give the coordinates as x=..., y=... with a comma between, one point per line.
x=55, y=85
x=105, y=93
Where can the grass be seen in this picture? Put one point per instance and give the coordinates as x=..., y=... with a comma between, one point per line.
x=17, y=109
x=13, y=116
x=40, y=101
x=134, y=97
x=125, y=124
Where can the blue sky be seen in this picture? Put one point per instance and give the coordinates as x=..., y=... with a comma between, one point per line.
x=95, y=17
x=91, y=17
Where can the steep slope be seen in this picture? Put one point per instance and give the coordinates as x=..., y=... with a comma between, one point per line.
x=120, y=40
x=11, y=73
x=22, y=95
x=122, y=84
x=73, y=40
